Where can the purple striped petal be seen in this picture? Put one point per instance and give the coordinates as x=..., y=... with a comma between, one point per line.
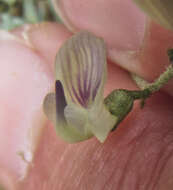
x=81, y=68
x=78, y=100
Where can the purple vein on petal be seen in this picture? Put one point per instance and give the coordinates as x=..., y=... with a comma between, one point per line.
x=86, y=68
x=95, y=90
x=99, y=72
x=80, y=74
x=82, y=61
x=63, y=60
x=92, y=72
x=96, y=69
x=94, y=56
x=70, y=67
x=69, y=80
x=85, y=62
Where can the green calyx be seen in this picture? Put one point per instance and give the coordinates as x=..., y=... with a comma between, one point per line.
x=120, y=102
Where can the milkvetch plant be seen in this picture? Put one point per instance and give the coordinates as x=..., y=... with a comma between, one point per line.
x=78, y=109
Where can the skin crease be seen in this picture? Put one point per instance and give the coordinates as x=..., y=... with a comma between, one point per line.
x=138, y=155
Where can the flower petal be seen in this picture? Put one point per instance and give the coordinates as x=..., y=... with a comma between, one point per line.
x=80, y=77
x=54, y=107
x=101, y=121
x=55, y=103
x=81, y=67
x=77, y=117
x=95, y=121
x=60, y=102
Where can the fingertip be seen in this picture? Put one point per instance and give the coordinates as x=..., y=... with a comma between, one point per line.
x=109, y=19
x=45, y=38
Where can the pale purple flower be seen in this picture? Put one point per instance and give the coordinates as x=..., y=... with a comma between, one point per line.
x=77, y=108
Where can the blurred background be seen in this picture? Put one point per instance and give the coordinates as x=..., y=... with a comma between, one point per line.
x=14, y=13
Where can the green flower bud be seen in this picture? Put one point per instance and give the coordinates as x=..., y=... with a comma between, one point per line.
x=159, y=10
x=119, y=103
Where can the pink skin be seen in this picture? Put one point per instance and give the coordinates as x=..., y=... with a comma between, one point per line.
x=138, y=155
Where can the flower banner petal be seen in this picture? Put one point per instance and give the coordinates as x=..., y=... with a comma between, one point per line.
x=81, y=67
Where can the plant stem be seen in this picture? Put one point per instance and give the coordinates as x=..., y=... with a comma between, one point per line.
x=162, y=80
x=157, y=84
x=140, y=82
